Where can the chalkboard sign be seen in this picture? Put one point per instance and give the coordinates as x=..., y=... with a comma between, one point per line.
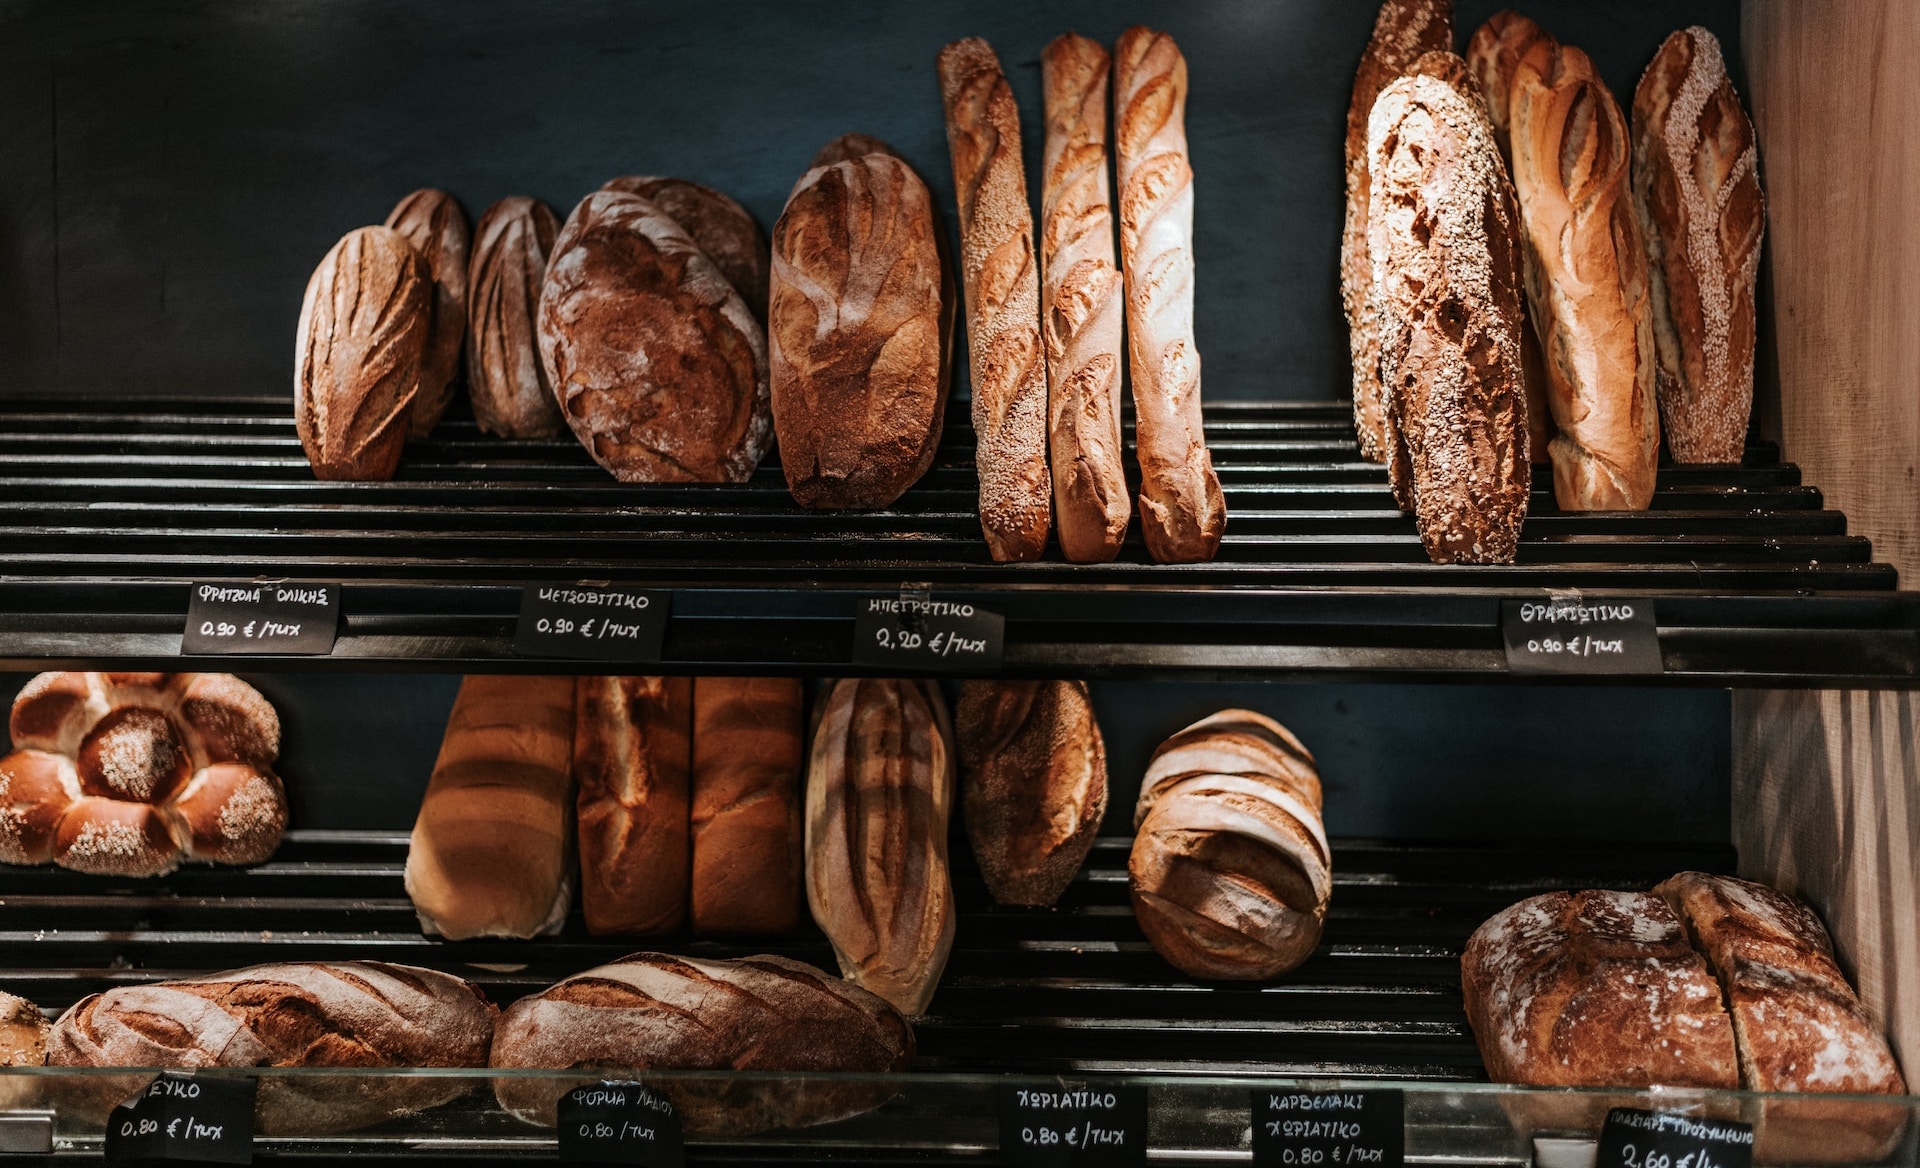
x=592, y=622
x=1329, y=1129
x=1065, y=1126
x=1632, y=1138
x=914, y=631
x=620, y=1123
x=287, y=618
x=181, y=1118
x=1570, y=634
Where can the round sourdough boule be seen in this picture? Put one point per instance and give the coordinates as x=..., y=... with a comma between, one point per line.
x=433, y=223
x=358, y=353
x=724, y=229
x=659, y=367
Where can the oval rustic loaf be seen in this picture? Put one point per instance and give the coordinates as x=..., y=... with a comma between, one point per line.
x=357, y=354
x=433, y=223
x=658, y=366
x=724, y=229
x=508, y=384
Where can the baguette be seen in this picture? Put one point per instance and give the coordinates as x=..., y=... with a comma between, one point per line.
x=1002, y=289
x=631, y=756
x=433, y=223
x=747, y=837
x=1182, y=512
x=1081, y=305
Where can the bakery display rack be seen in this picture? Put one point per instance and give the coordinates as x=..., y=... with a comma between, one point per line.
x=113, y=507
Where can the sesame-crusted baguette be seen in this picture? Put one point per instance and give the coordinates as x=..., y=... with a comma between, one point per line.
x=1696, y=190
x=1182, y=513
x=1002, y=288
x=1402, y=31
x=1081, y=304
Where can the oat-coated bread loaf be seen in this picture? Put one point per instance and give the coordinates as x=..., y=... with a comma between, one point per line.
x=747, y=836
x=1595, y=988
x=860, y=329
x=657, y=1011
x=632, y=751
x=1586, y=280
x=295, y=1014
x=1230, y=871
x=505, y=379
x=1696, y=189
x=658, y=366
x=358, y=354
x=434, y=225
x=724, y=229
x=1444, y=239
x=492, y=851
x=1034, y=780
x=1002, y=283
x=23, y=1043
x=1402, y=31
x=880, y=778
x=1182, y=512
x=1081, y=304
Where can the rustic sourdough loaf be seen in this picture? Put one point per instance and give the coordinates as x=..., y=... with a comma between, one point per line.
x=434, y=225
x=505, y=379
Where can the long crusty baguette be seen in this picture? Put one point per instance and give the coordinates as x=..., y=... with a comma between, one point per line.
x=631, y=755
x=1586, y=280
x=492, y=850
x=1081, y=304
x=1696, y=189
x=1182, y=513
x=1002, y=288
x=1402, y=31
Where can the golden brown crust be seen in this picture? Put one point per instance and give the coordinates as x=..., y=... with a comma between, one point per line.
x=1402, y=31
x=860, y=331
x=1034, y=770
x=505, y=379
x=1696, y=190
x=358, y=353
x=491, y=853
x=879, y=794
x=1587, y=280
x=724, y=229
x=851, y=145
x=1081, y=305
x=1002, y=286
x=747, y=836
x=659, y=368
x=1182, y=512
x=632, y=751
x=1446, y=287
x=433, y=223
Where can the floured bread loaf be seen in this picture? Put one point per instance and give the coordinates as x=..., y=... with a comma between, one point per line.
x=433, y=223
x=505, y=379
x=1696, y=188
x=724, y=229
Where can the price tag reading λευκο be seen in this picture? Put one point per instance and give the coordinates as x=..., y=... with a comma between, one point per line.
x=591, y=622
x=1632, y=1138
x=917, y=632
x=1329, y=1129
x=183, y=1118
x=1073, y=1126
x=291, y=618
x=620, y=1123
x=1569, y=634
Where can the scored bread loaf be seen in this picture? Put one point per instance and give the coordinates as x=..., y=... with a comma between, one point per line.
x=653, y=1011
x=433, y=223
x=505, y=379
x=747, y=837
x=1002, y=287
x=492, y=850
x=860, y=328
x=1182, y=512
x=724, y=229
x=632, y=750
x=1444, y=239
x=1034, y=770
x=879, y=795
x=358, y=353
x=1402, y=31
x=364, y=1014
x=1696, y=189
x=23, y=1043
x=1595, y=989
x=1230, y=871
x=659, y=368
x=1081, y=305
x=1586, y=280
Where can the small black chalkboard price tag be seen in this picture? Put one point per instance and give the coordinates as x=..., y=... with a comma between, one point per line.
x=1632, y=1138
x=1329, y=1129
x=181, y=1118
x=1073, y=1126
x=592, y=622
x=620, y=1123
x=287, y=618
x=1569, y=634
x=917, y=632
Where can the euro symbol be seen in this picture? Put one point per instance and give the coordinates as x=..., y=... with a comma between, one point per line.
x=171, y=1126
x=249, y=629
